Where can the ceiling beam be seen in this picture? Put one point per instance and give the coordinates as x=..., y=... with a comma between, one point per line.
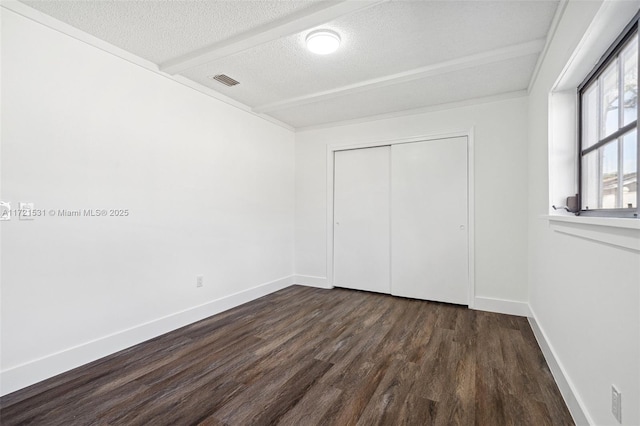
x=555, y=22
x=317, y=14
x=498, y=55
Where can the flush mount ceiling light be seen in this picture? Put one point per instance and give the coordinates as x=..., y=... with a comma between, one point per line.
x=323, y=42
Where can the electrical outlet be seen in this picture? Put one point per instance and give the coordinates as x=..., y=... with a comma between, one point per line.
x=199, y=281
x=616, y=403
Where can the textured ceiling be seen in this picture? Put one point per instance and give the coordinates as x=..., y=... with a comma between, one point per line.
x=457, y=49
x=508, y=76
x=159, y=30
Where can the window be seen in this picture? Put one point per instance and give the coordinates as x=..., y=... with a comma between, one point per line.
x=608, y=131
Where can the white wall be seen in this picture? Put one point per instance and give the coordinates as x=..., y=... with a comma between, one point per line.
x=500, y=138
x=584, y=294
x=209, y=189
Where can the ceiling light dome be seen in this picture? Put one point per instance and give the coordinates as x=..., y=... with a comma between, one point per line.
x=323, y=42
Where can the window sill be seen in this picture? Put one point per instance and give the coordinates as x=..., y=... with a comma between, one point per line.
x=618, y=232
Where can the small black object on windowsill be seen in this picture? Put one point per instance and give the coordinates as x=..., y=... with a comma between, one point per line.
x=572, y=205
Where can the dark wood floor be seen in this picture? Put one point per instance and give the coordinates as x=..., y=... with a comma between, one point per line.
x=305, y=356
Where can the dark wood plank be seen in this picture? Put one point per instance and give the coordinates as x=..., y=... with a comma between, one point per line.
x=305, y=356
x=389, y=398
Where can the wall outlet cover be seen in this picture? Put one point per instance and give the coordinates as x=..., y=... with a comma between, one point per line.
x=616, y=403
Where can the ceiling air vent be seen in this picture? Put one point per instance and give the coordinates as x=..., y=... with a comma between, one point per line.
x=225, y=79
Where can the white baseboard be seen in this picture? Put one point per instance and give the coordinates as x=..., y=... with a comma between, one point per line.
x=26, y=374
x=502, y=306
x=571, y=397
x=310, y=281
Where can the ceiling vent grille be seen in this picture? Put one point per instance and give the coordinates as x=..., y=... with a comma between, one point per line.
x=225, y=79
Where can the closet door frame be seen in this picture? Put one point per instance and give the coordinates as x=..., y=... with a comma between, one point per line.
x=332, y=148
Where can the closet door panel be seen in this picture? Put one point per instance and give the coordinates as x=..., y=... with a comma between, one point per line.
x=429, y=238
x=361, y=219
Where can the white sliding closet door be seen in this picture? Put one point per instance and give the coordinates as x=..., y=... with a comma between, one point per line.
x=361, y=219
x=429, y=248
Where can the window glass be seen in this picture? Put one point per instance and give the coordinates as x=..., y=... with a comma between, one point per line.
x=590, y=116
x=590, y=181
x=609, y=87
x=630, y=170
x=609, y=177
x=630, y=72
